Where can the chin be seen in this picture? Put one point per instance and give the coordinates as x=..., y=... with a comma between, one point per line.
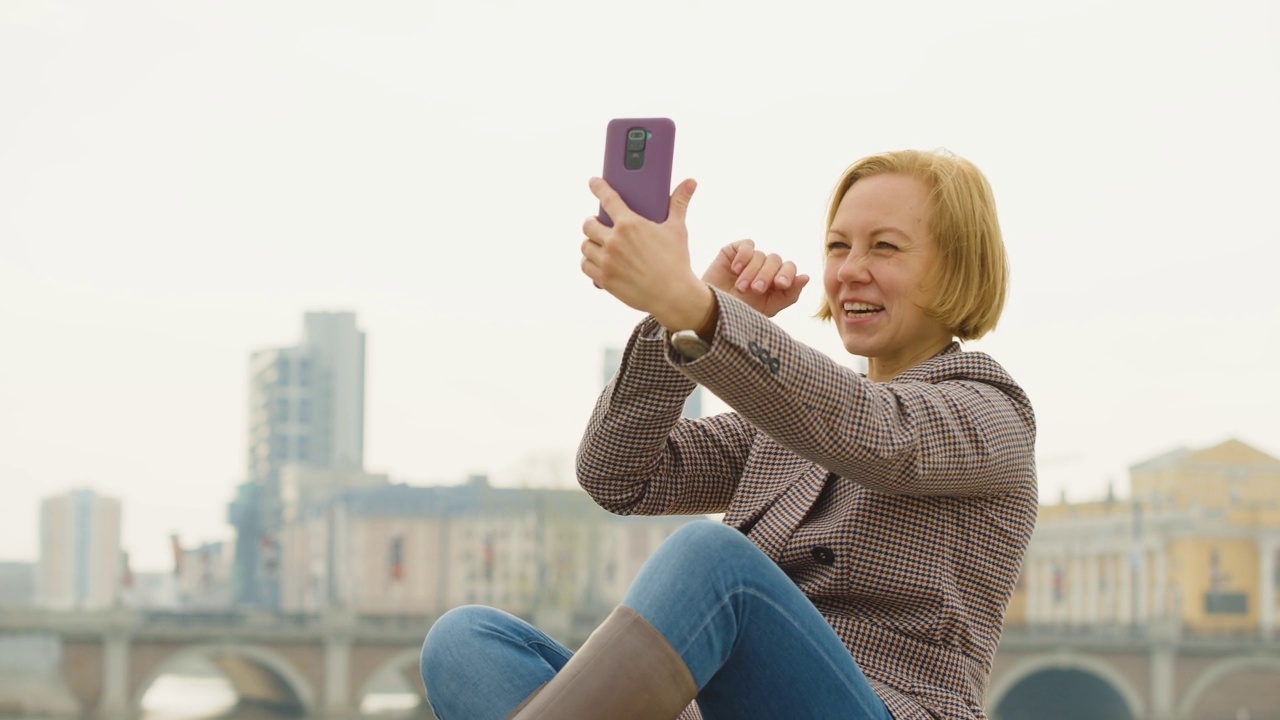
x=857, y=347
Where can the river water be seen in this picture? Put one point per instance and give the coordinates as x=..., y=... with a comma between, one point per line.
x=206, y=697
x=181, y=697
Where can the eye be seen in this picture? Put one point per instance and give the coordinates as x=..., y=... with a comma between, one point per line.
x=883, y=245
x=836, y=245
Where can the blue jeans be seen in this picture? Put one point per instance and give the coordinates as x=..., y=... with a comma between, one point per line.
x=755, y=645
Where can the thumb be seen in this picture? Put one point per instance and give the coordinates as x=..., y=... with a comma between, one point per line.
x=679, y=204
x=797, y=285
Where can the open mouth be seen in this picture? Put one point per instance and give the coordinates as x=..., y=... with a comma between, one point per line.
x=861, y=309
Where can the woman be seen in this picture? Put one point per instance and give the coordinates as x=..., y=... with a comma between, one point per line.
x=874, y=526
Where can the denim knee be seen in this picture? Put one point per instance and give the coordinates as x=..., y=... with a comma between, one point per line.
x=698, y=551
x=452, y=642
x=713, y=541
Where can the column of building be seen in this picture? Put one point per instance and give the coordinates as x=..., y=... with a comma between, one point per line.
x=1268, y=548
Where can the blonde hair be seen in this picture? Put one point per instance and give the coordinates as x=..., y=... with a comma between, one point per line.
x=971, y=279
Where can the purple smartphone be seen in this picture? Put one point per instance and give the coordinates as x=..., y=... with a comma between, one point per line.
x=638, y=154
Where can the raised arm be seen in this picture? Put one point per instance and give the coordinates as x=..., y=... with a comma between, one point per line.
x=638, y=456
x=955, y=425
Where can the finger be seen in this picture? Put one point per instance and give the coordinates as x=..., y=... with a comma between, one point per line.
x=768, y=273
x=610, y=201
x=748, y=274
x=595, y=230
x=786, y=275
x=591, y=270
x=729, y=252
x=745, y=249
x=786, y=297
x=678, y=206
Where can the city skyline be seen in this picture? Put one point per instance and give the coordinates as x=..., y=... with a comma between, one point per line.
x=1164, y=606
x=182, y=181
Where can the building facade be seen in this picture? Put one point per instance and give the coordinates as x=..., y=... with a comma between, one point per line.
x=81, y=565
x=203, y=575
x=306, y=408
x=1197, y=546
x=400, y=550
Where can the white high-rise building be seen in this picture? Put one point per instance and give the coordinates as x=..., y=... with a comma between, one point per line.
x=306, y=408
x=81, y=565
x=306, y=403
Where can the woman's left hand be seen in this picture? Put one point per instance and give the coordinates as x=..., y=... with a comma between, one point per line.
x=764, y=282
x=646, y=264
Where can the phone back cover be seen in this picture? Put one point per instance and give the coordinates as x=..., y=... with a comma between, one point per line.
x=646, y=191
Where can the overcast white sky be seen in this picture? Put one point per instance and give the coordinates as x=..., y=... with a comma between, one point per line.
x=180, y=181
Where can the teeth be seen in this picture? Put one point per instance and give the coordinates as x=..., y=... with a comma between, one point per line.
x=861, y=307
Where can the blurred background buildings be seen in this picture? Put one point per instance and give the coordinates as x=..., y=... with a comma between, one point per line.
x=1198, y=542
x=1192, y=552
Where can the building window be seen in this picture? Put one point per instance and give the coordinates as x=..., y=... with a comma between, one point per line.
x=280, y=447
x=304, y=372
x=282, y=410
x=304, y=448
x=282, y=371
x=304, y=410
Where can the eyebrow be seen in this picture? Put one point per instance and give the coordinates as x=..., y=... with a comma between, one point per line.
x=889, y=229
x=875, y=231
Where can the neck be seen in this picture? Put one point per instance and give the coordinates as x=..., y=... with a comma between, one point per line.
x=884, y=369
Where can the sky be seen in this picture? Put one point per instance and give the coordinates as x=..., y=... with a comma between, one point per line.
x=181, y=181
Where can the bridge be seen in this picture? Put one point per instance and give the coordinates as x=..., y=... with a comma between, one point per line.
x=318, y=665
x=1155, y=671
x=322, y=665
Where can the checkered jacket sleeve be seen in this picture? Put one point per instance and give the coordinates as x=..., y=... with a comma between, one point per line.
x=638, y=456
x=954, y=425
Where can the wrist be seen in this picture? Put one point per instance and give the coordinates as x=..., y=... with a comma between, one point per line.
x=696, y=311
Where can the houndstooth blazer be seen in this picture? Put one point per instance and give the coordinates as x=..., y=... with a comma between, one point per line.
x=930, y=538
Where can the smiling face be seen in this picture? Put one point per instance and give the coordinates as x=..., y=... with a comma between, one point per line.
x=880, y=257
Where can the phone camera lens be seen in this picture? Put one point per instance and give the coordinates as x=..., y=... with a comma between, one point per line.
x=636, y=139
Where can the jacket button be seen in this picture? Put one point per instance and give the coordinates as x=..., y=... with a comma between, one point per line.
x=824, y=556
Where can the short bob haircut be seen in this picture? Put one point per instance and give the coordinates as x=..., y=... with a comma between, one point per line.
x=971, y=279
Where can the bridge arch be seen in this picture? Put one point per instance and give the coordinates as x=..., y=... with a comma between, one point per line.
x=261, y=656
x=1027, y=667
x=1218, y=671
x=406, y=657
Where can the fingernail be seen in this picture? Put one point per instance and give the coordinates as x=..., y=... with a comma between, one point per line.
x=759, y=286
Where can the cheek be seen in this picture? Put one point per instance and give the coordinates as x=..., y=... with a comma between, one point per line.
x=829, y=270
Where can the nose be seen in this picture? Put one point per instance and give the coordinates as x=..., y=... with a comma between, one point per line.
x=853, y=269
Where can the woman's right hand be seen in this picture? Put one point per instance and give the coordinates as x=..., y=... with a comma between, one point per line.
x=764, y=282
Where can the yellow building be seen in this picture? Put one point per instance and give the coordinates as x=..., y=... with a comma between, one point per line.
x=1197, y=544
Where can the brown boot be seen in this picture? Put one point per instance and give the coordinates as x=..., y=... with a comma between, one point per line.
x=626, y=670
